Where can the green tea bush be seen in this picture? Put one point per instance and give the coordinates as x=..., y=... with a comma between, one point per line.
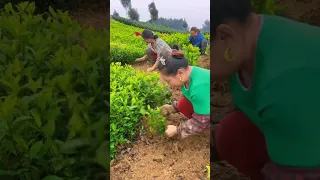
x=125, y=47
x=192, y=53
x=145, y=25
x=266, y=7
x=53, y=117
x=156, y=122
x=43, y=6
x=134, y=95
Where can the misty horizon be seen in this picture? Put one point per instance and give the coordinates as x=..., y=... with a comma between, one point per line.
x=194, y=13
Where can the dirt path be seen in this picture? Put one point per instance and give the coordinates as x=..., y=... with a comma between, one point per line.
x=160, y=158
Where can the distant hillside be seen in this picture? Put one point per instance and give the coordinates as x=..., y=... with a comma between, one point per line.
x=177, y=24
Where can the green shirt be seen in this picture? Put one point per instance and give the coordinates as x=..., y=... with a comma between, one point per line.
x=198, y=92
x=283, y=101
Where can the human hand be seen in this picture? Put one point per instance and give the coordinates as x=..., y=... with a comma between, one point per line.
x=173, y=52
x=171, y=131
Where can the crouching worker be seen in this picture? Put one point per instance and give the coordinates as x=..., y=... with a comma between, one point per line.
x=155, y=47
x=198, y=40
x=195, y=102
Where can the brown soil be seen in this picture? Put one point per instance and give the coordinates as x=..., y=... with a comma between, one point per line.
x=302, y=10
x=161, y=158
x=204, y=62
x=143, y=66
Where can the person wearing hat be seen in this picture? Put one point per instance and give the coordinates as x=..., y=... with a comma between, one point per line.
x=155, y=47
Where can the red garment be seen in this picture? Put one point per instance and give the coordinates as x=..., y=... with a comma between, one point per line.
x=240, y=142
x=155, y=56
x=185, y=107
x=137, y=33
x=195, y=124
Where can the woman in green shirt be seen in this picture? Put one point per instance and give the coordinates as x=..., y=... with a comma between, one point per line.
x=195, y=103
x=273, y=67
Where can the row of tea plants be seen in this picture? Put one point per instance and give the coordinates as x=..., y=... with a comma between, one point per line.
x=145, y=25
x=53, y=98
x=134, y=96
x=125, y=46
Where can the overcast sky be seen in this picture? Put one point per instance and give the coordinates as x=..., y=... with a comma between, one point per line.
x=194, y=11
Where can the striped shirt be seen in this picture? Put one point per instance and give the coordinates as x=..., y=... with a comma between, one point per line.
x=160, y=47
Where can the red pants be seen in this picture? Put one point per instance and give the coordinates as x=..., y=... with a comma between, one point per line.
x=196, y=124
x=241, y=143
x=185, y=107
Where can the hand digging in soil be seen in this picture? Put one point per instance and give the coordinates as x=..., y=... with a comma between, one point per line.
x=195, y=103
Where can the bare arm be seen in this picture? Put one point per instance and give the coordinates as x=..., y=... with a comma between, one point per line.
x=160, y=47
x=196, y=125
x=155, y=66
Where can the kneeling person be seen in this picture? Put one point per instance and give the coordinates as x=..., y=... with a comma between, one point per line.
x=195, y=102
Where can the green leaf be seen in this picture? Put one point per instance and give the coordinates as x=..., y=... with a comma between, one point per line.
x=8, y=105
x=52, y=12
x=113, y=126
x=31, y=8
x=76, y=125
x=49, y=128
x=37, y=118
x=102, y=156
x=22, y=6
x=35, y=149
x=21, y=142
x=89, y=101
x=16, y=66
x=142, y=111
x=19, y=121
x=52, y=177
x=8, y=7
x=3, y=128
x=70, y=146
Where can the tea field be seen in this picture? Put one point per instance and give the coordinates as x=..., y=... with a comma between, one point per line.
x=53, y=97
x=138, y=148
x=126, y=47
